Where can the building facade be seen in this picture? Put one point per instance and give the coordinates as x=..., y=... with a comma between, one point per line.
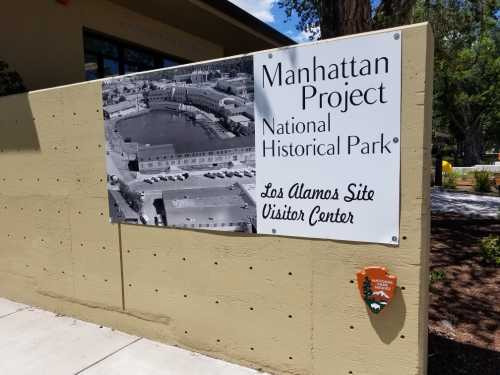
x=55, y=42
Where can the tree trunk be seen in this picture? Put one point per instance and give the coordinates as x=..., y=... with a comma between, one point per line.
x=472, y=147
x=344, y=17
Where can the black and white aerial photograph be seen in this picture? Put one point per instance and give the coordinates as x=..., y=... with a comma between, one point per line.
x=180, y=147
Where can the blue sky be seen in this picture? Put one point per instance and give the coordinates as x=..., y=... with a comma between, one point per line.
x=269, y=12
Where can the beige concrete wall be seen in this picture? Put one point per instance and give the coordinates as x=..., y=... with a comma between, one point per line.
x=286, y=305
x=43, y=39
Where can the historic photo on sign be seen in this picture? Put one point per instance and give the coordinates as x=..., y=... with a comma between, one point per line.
x=180, y=146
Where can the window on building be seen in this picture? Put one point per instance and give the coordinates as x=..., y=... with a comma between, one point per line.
x=107, y=57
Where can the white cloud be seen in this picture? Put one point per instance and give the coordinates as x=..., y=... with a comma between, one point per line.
x=260, y=9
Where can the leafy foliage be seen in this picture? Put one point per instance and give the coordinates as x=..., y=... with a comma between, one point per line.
x=436, y=275
x=482, y=181
x=450, y=180
x=327, y=18
x=490, y=249
x=466, y=72
x=10, y=81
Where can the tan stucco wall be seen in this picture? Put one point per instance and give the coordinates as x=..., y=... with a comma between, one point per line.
x=287, y=305
x=43, y=39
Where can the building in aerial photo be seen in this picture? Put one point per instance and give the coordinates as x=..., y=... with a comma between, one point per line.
x=180, y=146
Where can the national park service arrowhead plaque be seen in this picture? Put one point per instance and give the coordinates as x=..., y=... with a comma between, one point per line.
x=376, y=287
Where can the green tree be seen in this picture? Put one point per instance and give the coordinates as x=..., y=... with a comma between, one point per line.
x=466, y=71
x=367, y=289
x=331, y=18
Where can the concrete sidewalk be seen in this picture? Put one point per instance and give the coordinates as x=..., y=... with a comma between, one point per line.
x=33, y=341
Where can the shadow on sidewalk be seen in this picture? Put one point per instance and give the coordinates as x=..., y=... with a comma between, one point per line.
x=447, y=357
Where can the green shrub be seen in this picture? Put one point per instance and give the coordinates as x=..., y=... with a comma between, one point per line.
x=450, y=180
x=436, y=275
x=490, y=249
x=482, y=181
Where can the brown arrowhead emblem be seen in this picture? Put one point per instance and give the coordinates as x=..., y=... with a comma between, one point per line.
x=376, y=287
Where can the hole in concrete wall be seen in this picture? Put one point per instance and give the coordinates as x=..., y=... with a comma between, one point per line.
x=351, y=281
x=402, y=336
x=129, y=284
x=290, y=358
x=403, y=288
x=290, y=316
x=186, y=332
x=216, y=263
x=251, y=308
x=351, y=327
x=218, y=340
x=184, y=259
x=252, y=348
x=290, y=274
x=156, y=290
x=404, y=237
x=250, y=268
x=185, y=296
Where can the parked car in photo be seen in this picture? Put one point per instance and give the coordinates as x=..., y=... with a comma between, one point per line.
x=229, y=173
x=163, y=178
x=155, y=179
x=248, y=174
x=171, y=178
x=220, y=174
x=238, y=174
x=148, y=181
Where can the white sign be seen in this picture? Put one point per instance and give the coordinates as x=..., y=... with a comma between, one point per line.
x=301, y=141
x=327, y=129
